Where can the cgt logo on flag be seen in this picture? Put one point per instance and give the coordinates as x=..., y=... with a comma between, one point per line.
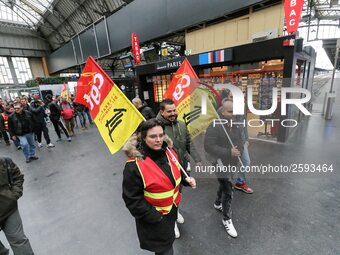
x=184, y=90
x=114, y=114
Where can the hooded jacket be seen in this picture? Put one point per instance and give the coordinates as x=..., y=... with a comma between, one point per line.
x=178, y=133
x=155, y=231
x=11, y=187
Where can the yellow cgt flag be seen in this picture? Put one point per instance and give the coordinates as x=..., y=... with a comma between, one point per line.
x=117, y=119
x=189, y=111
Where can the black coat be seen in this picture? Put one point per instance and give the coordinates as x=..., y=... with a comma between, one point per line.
x=20, y=124
x=147, y=112
x=9, y=194
x=155, y=231
x=55, y=111
x=217, y=145
x=38, y=113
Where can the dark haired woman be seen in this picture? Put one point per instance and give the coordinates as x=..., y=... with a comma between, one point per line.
x=151, y=184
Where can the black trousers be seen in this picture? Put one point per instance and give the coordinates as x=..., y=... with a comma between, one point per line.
x=5, y=135
x=57, y=124
x=167, y=252
x=225, y=196
x=41, y=128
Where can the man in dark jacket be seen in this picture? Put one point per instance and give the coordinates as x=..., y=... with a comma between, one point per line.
x=145, y=110
x=11, y=189
x=55, y=113
x=38, y=113
x=20, y=124
x=222, y=154
x=179, y=134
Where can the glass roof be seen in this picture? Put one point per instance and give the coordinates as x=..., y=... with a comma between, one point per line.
x=23, y=12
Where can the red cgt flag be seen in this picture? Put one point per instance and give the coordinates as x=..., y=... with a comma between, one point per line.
x=93, y=96
x=183, y=83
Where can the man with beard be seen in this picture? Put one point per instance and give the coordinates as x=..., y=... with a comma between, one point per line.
x=222, y=153
x=179, y=134
x=20, y=124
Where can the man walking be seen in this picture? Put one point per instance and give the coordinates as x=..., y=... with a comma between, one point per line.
x=11, y=189
x=20, y=124
x=222, y=153
x=55, y=113
x=178, y=133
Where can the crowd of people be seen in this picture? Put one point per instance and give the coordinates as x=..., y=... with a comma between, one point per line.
x=24, y=121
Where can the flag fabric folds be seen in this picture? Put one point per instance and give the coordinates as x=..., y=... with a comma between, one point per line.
x=115, y=116
x=184, y=90
x=64, y=92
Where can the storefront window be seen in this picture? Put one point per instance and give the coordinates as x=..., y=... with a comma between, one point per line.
x=262, y=77
x=160, y=85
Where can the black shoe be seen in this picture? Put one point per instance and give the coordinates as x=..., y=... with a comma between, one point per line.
x=8, y=143
x=34, y=158
x=28, y=160
x=19, y=148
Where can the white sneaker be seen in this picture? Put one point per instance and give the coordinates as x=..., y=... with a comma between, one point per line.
x=50, y=145
x=177, y=233
x=228, y=224
x=40, y=145
x=218, y=207
x=180, y=218
x=69, y=139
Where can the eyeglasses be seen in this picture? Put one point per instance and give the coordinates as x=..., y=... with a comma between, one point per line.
x=156, y=136
x=17, y=108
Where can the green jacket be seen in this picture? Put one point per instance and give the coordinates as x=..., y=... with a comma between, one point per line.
x=178, y=133
x=11, y=187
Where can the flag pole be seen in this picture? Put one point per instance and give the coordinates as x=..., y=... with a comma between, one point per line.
x=231, y=142
x=173, y=156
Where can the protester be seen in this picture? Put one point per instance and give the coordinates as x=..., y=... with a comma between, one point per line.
x=151, y=183
x=38, y=113
x=220, y=151
x=55, y=113
x=20, y=124
x=145, y=110
x=11, y=189
x=67, y=112
x=178, y=133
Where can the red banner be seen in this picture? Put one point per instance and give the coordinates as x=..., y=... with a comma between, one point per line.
x=293, y=10
x=183, y=83
x=93, y=86
x=135, y=48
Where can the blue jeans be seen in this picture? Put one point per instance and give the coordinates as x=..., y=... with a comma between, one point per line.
x=28, y=144
x=246, y=162
x=82, y=118
x=87, y=111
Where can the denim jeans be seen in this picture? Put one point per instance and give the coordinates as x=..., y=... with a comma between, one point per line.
x=246, y=162
x=28, y=144
x=87, y=111
x=82, y=118
x=15, y=235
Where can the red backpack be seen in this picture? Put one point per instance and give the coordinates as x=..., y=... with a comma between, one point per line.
x=67, y=112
